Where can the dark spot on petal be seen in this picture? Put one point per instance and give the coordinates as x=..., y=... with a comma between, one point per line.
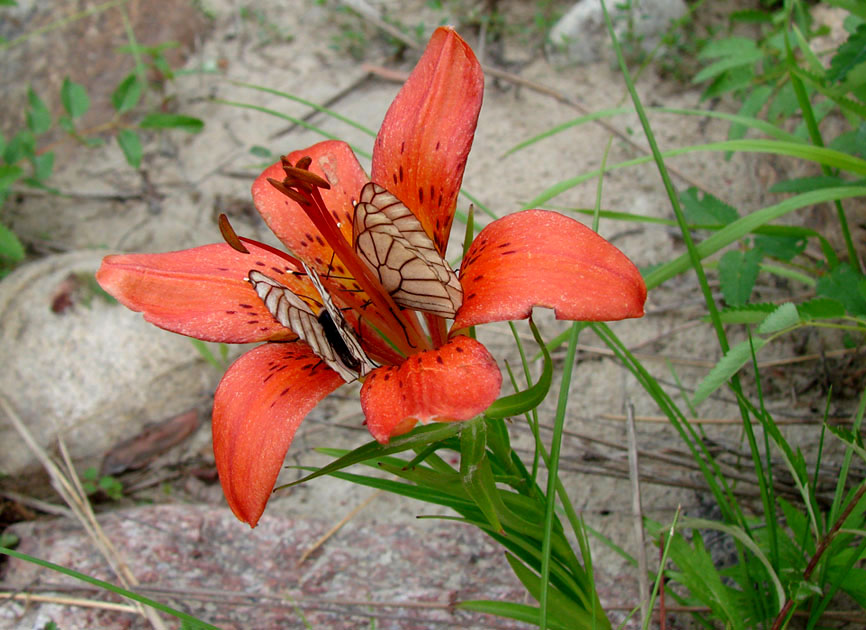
x=277, y=269
x=469, y=297
x=230, y=312
x=439, y=360
x=285, y=391
x=478, y=277
x=320, y=241
x=253, y=321
x=436, y=148
x=402, y=147
x=387, y=376
x=259, y=263
x=501, y=245
x=511, y=251
x=458, y=348
x=394, y=175
x=420, y=195
x=245, y=305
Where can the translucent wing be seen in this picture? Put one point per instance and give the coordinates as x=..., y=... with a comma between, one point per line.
x=323, y=334
x=393, y=243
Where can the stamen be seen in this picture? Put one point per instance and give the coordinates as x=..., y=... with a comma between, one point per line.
x=304, y=163
x=294, y=174
x=291, y=193
x=230, y=236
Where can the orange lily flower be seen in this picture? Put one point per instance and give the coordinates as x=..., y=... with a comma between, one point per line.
x=531, y=258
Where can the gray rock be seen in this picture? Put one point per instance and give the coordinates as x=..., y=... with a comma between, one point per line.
x=580, y=36
x=85, y=368
x=203, y=561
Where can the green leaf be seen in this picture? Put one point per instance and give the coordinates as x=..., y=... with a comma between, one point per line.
x=753, y=104
x=38, y=116
x=727, y=47
x=519, y=612
x=8, y=174
x=706, y=209
x=172, y=121
x=127, y=93
x=751, y=16
x=130, y=144
x=814, y=182
x=43, y=166
x=727, y=366
x=781, y=247
x=260, y=151
x=746, y=314
x=74, y=97
x=783, y=317
x=8, y=3
x=521, y=402
x=846, y=286
x=22, y=145
x=746, y=57
x=475, y=472
x=11, y=249
x=848, y=56
x=737, y=274
x=821, y=308
x=855, y=7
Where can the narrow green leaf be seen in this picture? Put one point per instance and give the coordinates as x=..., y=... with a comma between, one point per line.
x=727, y=366
x=783, y=317
x=127, y=93
x=130, y=144
x=74, y=97
x=509, y=610
x=727, y=47
x=814, y=182
x=753, y=104
x=745, y=58
x=11, y=249
x=738, y=272
x=38, y=116
x=745, y=314
x=475, y=473
x=530, y=398
x=159, y=120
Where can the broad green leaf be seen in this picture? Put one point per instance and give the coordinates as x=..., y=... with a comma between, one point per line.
x=11, y=249
x=705, y=209
x=847, y=286
x=8, y=174
x=130, y=144
x=8, y=3
x=783, y=317
x=260, y=151
x=21, y=146
x=738, y=78
x=127, y=93
x=727, y=366
x=784, y=104
x=38, y=116
x=74, y=97
x=751, y=16
x=855, y=7
x=848, y=56
x=738, y=272
x=159, y=120
x=781, y=247
x=821, y=308
x=43, y=166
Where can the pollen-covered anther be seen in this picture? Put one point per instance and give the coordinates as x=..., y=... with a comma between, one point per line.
x=304, y=163
x=291, y=193
x=295, y=174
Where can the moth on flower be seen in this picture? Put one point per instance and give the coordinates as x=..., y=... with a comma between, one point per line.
x=366, y=265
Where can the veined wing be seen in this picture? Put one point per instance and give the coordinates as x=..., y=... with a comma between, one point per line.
x=327, y=339
x=393, y=243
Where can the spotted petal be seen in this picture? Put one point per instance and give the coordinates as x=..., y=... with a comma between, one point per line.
x=455, y=382
x=258, y=407
x=421, y=149
x=201, y=292
x=542, y=258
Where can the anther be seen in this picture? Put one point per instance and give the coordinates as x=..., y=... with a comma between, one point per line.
x=304, y=163
x=230, y=236
x=299, y=174
x=291, y=193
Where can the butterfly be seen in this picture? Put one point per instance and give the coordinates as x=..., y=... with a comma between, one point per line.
x=393, y=244
x=329, y=335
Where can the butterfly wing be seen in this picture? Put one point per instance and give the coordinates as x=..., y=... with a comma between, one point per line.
x=345, y=331
x=292, y=312
x=393, y=243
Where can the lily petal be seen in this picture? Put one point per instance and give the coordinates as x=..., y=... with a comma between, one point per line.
x=421, y=149
x=258, y=406
x=202, y=292
x=333, y=160
x=455, y=382
x=542, y=258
